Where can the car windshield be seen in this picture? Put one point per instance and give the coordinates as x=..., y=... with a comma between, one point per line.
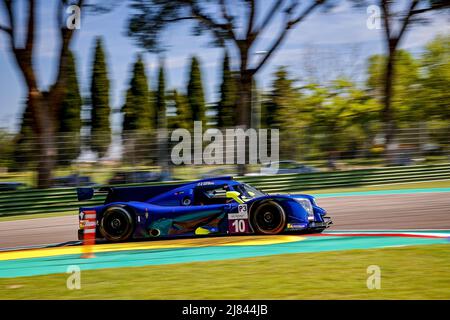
x=248, y=192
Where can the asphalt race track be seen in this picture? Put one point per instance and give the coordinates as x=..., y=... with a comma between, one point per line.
x=429, y=210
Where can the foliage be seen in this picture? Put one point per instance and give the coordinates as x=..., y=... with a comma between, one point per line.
x=239, y=29
x=6, y=149
x=140, y=117
x=321, y=118
x=69, y=116
x=406, y=85
x=226, y=108
x=43, y=106
x=161, y=98
x=139, y=112
x=280, y=104
x=181, y=117
x=25, y=143
x=435, y=63
x=195, y=94
x=100, y=124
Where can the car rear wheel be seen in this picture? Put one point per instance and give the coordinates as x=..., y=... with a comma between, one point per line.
x=116, y=224
x=269, y=218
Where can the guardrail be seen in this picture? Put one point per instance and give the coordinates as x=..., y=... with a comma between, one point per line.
x=34, y=201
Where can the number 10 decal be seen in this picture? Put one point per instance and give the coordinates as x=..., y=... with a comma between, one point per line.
x=239, y=226
x=238, y=222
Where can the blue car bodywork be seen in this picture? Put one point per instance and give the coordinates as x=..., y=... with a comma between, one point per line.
x=203, y=207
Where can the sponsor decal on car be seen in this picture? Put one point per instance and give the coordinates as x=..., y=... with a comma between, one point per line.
x=242, y=213
x=238, y=222
x=205, y=183
x=294, y=226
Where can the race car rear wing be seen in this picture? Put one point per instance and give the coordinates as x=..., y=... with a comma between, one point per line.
x=87, y=193
x=125, y=194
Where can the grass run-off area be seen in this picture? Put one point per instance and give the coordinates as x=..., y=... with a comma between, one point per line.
x=420, y=272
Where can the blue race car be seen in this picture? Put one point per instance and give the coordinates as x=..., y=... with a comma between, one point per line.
x=217, y=206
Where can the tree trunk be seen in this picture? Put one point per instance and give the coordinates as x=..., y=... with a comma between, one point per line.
x=244, y=110
x=46, y=158
x=45, y=131
x=245, y=100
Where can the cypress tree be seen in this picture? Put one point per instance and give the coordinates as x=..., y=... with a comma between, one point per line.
x=161, y=99
x=25, y=143
x=100, y=124
x=139, y=113
x=282, y=89
x=196, y=98
x=226, y=108
x=183, y=117
x=69, y=125
x=162, y=123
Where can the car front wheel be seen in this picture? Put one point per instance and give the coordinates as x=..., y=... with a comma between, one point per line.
x=269, y=218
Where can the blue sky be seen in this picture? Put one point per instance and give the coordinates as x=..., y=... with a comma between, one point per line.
x=336, y=41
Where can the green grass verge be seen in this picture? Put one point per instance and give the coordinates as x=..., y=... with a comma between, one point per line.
x=393, y=186
x=37, y=216
x=420, y=272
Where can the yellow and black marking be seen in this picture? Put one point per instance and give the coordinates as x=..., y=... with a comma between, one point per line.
x=149, y=245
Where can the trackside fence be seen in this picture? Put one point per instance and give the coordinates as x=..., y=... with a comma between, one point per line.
x=36, y=201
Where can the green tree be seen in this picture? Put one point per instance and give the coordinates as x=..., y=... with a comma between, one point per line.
x=241, y=29
x=279, y=105
x=181, y=117
x=139, y=116
x=435, y=65
x=226, y=108
x=321, y=119
x=100, y=124
x=196, y=98
x=162, y=122
x=69, y=117
x=6, y=149
x=280, y=110
x=397, y=19
x=138, y=110
x=339, y=117
x=405, y=104
x=25, y=143
x=43, y=106
x=435, y=95
x=161, y=99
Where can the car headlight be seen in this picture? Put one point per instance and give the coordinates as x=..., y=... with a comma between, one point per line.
x=306, y=204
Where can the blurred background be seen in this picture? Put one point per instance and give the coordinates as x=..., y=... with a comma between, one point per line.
x=92, y=99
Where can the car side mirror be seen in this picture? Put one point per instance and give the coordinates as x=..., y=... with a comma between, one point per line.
x=234, y=195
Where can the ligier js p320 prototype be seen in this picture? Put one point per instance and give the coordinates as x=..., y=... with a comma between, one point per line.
x=207, y=207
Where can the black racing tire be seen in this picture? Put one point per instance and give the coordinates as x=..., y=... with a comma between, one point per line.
x=268, y=218
x=117, y=224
